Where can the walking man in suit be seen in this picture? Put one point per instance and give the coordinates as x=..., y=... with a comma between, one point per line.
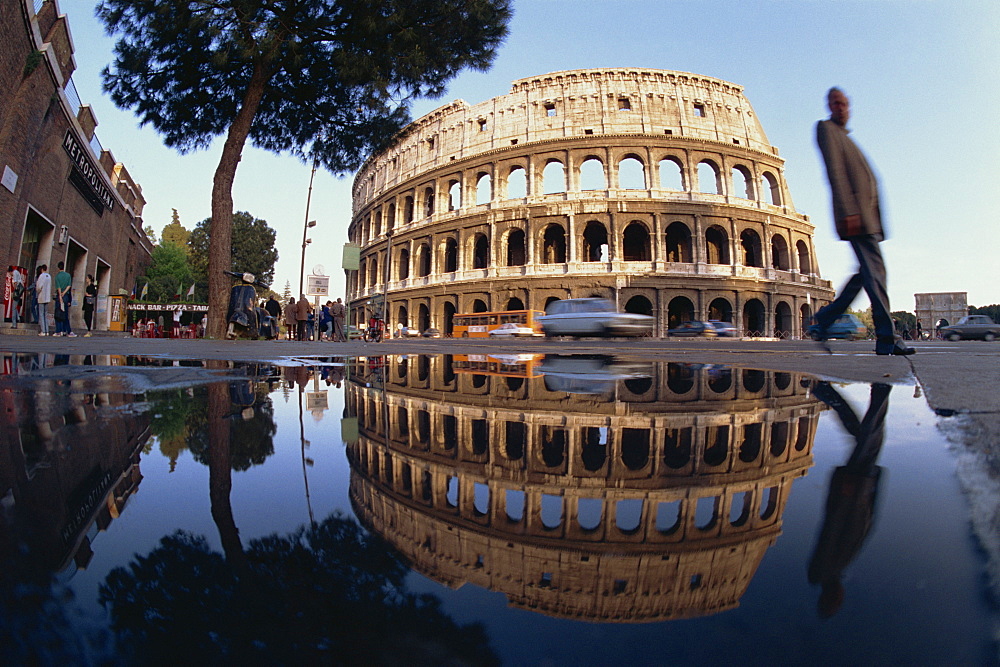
x=859, y=221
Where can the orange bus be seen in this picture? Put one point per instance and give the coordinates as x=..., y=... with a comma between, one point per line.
x=479, y=325
x=503, y=365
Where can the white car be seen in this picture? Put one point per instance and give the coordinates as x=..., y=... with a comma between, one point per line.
x=513, y=330
x=592, y=317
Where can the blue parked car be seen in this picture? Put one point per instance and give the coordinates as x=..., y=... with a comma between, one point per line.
x=847, y=327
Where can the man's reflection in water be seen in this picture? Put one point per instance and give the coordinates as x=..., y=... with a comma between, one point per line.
x=850, y=504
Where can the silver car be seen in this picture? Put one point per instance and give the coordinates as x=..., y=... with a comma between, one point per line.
x=592, y=317
x=972, y=327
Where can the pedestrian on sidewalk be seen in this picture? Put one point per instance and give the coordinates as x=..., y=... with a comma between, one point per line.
x=64, y=299
x=291, y=319
x=302, y=315
x=858, y=219
x=43, y=294
x=89, y=302
x=338, y=311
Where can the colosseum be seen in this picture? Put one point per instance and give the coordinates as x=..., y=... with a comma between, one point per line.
x=654, y=498
x=655, y=188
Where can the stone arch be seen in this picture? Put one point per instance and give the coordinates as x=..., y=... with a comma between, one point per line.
x=448, y=324
x=671, y=174
x=595, y=242
x=770, y=185
x=779, y=253
x=805, y=260
x=423, y=317
x=454, y=195
x=484, y=188
x=480, y=252
x=549, y=300
x=639, y=304
x=805, y=316
x=752, y=249
x=450, y=264
x=721, y=310
x=514, y=303
x=554, y=245
x=680, y=309
x=390, y=218
x=479, y=306
x=517, y=183
x=635, y=243
x=516, y=250
x=716, y=245
x=373, y=271
x=594, y=452
x=592, y=175
x=754, y=320
x=635, y=447
x=403, y=264
x=631, y=173
x=680, y=378
x=363, y=274
x=679, y=243
x=708, y=178
x=783, y=320
x=408, y=210
x=423, y=260
x=402, y=315
x=428, y=202
x=553, y=177
x=742, y=182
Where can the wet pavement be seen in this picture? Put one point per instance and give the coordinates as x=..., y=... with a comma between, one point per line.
x=576, y=502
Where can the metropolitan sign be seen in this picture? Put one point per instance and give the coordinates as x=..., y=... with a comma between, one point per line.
x=317, y=285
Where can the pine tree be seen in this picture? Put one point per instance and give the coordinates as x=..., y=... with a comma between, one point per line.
x=330, y=80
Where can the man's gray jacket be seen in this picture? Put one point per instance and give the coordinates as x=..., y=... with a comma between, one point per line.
x=852, y=182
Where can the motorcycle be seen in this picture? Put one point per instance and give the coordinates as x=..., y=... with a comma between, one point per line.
x=246, y=319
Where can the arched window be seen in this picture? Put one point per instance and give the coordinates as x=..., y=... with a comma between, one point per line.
x=479, y=306
x=753, y=254
x=516, y=255
x=716, y=245
x=671, y=174
x=679, y=243
x=423, y=317
x=742, y=182
x=376, y=223
x=631, y=174
x=635, y=242
x=403, y=264
x=553, y=178
x=454, y=196
x=554, y=245
x=769, y=184
x=484, y=189
x=805, y=316
x=805, y=263
x=390, y=218
x=423, y=261
x=595, y=242
x=373, y=271
x=481, y=252
x=449, y=327
x=517, y=183
x=450, y=255
x=513, y=303
x=779, y=252
x=708, y=178
x=428, y=202
x=592, y=175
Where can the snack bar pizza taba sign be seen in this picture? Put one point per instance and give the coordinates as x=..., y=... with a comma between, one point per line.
x=86, y=176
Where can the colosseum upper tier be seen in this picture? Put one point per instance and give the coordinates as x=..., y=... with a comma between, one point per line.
x=655, y=188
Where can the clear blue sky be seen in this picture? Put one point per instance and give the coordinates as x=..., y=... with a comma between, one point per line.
x=922, y=76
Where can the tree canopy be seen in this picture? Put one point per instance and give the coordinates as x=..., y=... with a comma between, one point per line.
x=168, y=274
x=175, y=232
x=252, y=249
x=330, y=80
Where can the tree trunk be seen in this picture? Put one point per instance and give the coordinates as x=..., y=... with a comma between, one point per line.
x=220, y=256
x=220, y=475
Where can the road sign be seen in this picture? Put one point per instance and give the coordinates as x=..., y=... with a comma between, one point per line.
x=317, y=285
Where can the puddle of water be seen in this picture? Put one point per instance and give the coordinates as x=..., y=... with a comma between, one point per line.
x=577, y=510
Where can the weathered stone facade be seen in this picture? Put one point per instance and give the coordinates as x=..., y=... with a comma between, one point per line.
x=654, y=500
x=658, y=189
x=63, y=197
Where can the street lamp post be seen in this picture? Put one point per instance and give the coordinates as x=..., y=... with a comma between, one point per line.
x=305, y=230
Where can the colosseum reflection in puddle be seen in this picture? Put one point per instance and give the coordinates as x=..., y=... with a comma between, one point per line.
x=653, y=497
x=656, y=188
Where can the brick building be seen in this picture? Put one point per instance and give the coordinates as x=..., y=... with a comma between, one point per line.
x=62, y=196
